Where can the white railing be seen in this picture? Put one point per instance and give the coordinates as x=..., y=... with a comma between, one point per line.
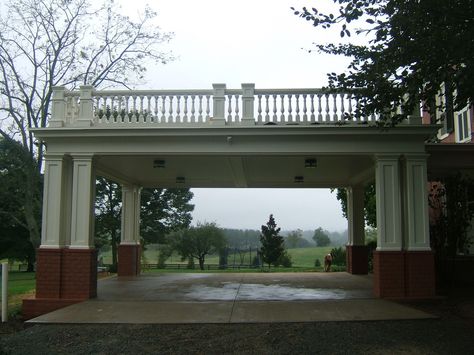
x=221, y=106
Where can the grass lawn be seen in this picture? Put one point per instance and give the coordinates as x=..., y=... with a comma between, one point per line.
x=20, y=285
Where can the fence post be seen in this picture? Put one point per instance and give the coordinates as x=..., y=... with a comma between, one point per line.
x=58, y=109
x=218, y=104
x=85, y=109
x=4, y=292
x=248, y=100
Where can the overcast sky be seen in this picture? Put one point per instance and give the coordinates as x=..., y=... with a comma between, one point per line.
x=249, y=41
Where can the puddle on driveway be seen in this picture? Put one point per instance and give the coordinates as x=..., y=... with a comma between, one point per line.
x=258, y=292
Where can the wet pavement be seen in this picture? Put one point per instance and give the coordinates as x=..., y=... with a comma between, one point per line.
x=232, y=298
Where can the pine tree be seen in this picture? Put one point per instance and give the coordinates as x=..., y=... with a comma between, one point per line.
x=272, y=243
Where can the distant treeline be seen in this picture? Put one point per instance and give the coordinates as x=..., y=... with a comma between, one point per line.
x=248, y=238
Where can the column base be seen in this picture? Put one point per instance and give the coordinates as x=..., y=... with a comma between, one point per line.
x=63, y=277
x=357, y=259
x=404, y=274
x=420, y=274
x=129, y=256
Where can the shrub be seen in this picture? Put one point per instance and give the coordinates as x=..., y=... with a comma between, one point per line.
x=317, y=263
x=338, y=256
x=285, y=260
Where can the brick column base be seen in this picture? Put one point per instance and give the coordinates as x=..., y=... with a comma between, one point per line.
x=63, y=277
x=420, y=274
x=404, y=274
x=357, y=259
x=129, y=260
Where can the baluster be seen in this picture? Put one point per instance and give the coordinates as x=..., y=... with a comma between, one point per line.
x=320, y=108
x=237, y=117
x=142, y=110
x=155, y=118
x=134, y=110
x=126, y=117
x=208, y=108
x=112, y=109
x=229, y=108
x=275, y=108
x=360, y=118
x=178, y=110
x=267, y=108
x=193, y=110
x=297, y=117
x=305, y=109
x=163, y=109
x=335, y=116
x=185, y=117
x=259, y=109
x=290, y=115
x=328, y=116
x=119, y=109
x=282, y=108
x=342, y=107
x=170, y=111
x=349, y=109
x=312, y=117
x=200, y=109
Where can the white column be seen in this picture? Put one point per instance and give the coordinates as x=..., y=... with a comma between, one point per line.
x=389, y=219
x=83, y=201
x=218, y=104
x=355, y=215
x=130, y=215
x=416, y=203
x=56, y=201
x=248, y=99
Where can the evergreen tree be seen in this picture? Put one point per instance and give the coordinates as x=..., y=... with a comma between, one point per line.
x=272, y=243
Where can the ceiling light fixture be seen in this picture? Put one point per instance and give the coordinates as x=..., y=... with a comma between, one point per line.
x=310, y=163
x=159, y=163
x=299, y=179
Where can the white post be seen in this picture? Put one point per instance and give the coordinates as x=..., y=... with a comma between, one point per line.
x=389, y=219
x=85, y=110
x=83, y=197
x=58, y=112
x=355, y=215
x=130, y=215
x=4, y=292
x=218, y=102
x=248, y=99
x=416, y=200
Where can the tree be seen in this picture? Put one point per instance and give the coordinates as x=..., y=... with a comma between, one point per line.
x=197, y=242
x=162, y=211
x=321, y=238
x=70, y=43
x=370, y=209
x=272, y=243
x=295, y=240
x=108, y=207
x=414, y=48
x=15, y=239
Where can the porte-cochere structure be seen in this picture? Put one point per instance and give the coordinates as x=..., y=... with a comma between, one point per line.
x=243, y=137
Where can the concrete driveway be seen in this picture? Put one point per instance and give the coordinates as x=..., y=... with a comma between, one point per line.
x=232, y=298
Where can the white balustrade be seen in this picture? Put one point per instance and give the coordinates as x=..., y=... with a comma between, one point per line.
x=245, y=106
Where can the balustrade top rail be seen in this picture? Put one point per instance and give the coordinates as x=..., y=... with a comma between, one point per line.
x=244, y=106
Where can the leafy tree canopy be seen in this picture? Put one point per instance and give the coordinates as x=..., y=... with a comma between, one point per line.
x=321, y=238
x=197, y=242
x=370, y=209
x=295, y=240
x=413, y=48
